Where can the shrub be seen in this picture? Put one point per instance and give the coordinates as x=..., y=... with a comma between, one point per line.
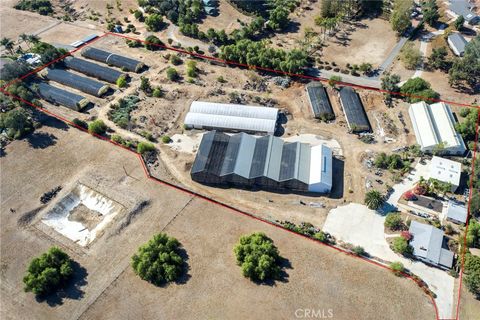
x=166, y=139
x=80, y=123
x=122, y=82
x=472, y=273
x=320, y=236
x=159, y=260
x=258, y=257
x=358, y=250
x=400, y=245
x=97, y=127
x=157, y=92
x=153, y=43
x=221, y=79
x=394, y=221
x=397, y=267
x=172, y=74
x=48, y=273
x=118, y=139
x=410, y=56
x=192, y=69
x=143, y=147
x=175, y=60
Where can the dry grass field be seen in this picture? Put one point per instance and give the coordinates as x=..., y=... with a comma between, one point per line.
x=318, y=277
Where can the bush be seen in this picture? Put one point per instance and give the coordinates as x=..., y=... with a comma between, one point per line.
x=16, y=123
x=118, y=139
x=175, y=60
x=122, y=82
x=97, y=127
x=166, y=139
x=410, y=56
x=80, y=123
x=258, y=257
x=157, y=92
x=221, y=79
x=417, y=89
x=192, y=69
x=143, y=147
x=159, y=261
x=48, y=273
x=359, y=251
x=320, y=236
x=397, y=267
x=472, y=273
x=400, y=245
x=172, y=74
x=153, y=43
x=394, y=221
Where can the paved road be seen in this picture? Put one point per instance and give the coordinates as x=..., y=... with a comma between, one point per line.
x=393, y=55
x=359, y=81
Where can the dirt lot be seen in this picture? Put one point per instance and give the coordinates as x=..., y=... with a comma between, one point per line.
x=227, y=19
x=207, y=232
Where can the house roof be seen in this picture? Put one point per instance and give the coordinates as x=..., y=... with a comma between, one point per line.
x=446, y=170
x=434, y=124
x=353, y=109
x=457, y=211
x=462, y=8
x=427, y=243
x=457, y=41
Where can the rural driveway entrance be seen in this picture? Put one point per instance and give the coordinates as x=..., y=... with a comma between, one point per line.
x=358, y=225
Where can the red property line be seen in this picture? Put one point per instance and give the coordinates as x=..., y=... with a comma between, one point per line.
x=296, y=75
x=219, y=203
x=216, y=202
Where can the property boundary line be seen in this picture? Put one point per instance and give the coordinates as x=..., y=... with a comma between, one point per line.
x=237, y=210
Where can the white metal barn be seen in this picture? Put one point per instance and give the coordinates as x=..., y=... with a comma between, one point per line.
x=434, y=124
x=231, y=117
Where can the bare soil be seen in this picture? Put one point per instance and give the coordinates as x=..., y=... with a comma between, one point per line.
x=90, y=219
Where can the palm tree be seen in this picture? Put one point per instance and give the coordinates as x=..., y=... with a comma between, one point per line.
x=33, y=39
x=374, y=199
x=7, y=43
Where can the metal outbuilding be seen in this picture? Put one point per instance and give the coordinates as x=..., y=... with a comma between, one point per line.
x=266, y=162
x=93, y=70
x=75, y=81
x=319, y=101
x=113, y=59
x=231, y=117
x=352, y=106
x=62, y=97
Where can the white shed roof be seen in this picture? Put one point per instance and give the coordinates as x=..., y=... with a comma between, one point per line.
x=232, y=116
x=434, y=124
x=446, y=170
x=320, y=167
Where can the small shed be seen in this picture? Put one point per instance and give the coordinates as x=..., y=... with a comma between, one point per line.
x=457, y=43
x=457, y=212
x=319, y=101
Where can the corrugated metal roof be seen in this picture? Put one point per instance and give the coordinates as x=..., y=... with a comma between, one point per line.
x=112, y=59
x=457, y=211
x=234, y=110
x=60, y=96
x=93, y=69
x=353, y=109
x=73, y=80
x=427, y=242
x=266, y=161
x=318, y=99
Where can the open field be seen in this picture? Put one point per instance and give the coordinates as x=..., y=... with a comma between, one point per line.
x=208, y=233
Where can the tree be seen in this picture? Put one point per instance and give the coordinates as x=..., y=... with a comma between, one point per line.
x=153, y=43
x=475, y=204
x=467, y=127
x=458, y=24
x=157, y=92
x=400, y=17
x=145, y=85
x=430, y=12
x=166, y=139
x=358, y=250
x=397, y=267
x=400, y=245
x=172, y=74
x=438, y=59
x=7, y=43
x=16, y=123
x=258, y=257
x=390, y=86
x=97, y=127
x=410, y=56
x=159, y=260
x=175, y=60
x=365, y=68
x=394, y=221
x=472, y=273
x=417, y=89
x=48, y=273
x=473, y=234
x=374, y=199
x=466, y=70
x=154, y=22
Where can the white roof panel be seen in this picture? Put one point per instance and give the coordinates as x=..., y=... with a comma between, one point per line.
x=446, y=170
x=422, y=124
x=230, y=122
x=235, y=110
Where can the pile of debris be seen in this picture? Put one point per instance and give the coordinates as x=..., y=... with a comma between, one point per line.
x=283, y=82
x=47, y=196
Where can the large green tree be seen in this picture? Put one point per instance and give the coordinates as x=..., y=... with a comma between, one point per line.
x=258, y=257
x=400, y=17
x=49, y=272
x=466, y=71
x=159, y=261
x=417, y=89
x=472, y=273
x=16, y=123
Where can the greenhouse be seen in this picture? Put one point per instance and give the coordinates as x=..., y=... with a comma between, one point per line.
x=75, y=81
x=59, y=96
x=94, y=70
x=113, y=59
